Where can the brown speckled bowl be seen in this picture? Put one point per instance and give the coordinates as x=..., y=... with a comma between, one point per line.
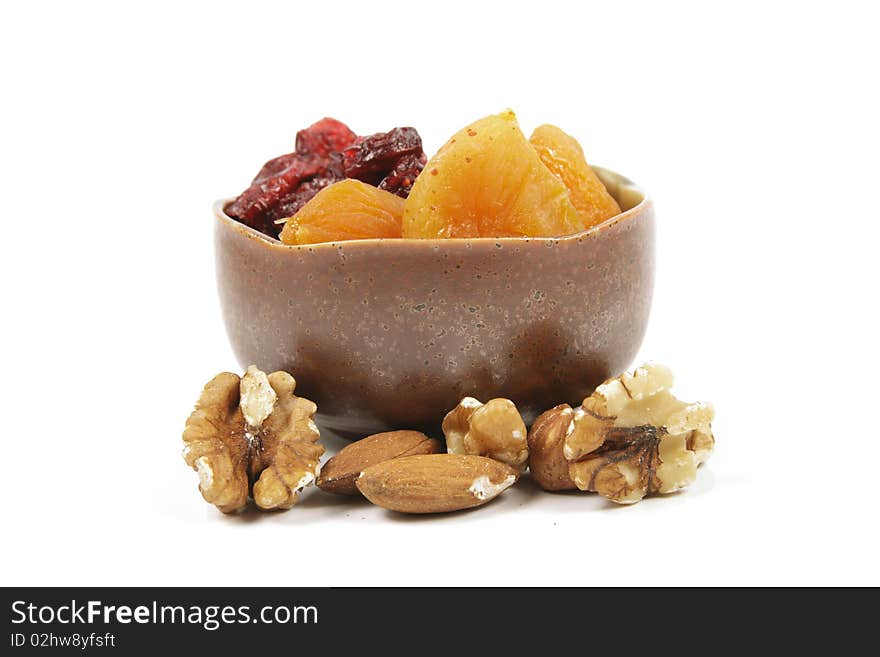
x=391, y=334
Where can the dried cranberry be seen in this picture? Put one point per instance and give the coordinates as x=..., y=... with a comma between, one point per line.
x=324, y=137
x=373, y=157
x=274, y=166
x=401, y=178
x=326, y=152
x=255, y=205
x=334, y=165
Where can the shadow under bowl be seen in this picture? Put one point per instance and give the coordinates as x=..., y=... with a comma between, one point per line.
x=391, y=333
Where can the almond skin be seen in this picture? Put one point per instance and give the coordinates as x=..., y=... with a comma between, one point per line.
x=435, y=483
x=338, y=475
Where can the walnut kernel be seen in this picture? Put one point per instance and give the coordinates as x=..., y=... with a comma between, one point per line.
x=252, y=436
x=494, y=429
x=633, y=438
x=547, y=463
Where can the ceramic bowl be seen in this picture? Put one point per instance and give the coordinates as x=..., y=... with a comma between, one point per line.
x=391, y=334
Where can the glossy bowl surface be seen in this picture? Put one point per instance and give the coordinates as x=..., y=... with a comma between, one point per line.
x=391, y=334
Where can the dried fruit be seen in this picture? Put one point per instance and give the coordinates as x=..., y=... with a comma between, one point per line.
x=339, y=474
x=435, y=483
x=328, y=152
x=346, y=210
x=324, y=137
x=252, y=436
x=278, y=178
x=403, y=176
x=547, y=463
x=494, y=429
x=273, y=167
x=488, y=181
x=371, y=158
x=563, y=156
x=293, y=201
x=632, y=437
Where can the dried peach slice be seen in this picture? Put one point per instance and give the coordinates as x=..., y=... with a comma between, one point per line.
x=346, y=210
x=563, y=155
x=488, y=181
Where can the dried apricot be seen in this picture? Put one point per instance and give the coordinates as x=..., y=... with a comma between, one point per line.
x=488, y=181
x=346, y=210
x=563, y=155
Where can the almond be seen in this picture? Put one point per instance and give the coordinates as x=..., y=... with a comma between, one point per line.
x=338, y=475
x=435, y=483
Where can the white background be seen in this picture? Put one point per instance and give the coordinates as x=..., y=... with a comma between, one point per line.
x=754, y=128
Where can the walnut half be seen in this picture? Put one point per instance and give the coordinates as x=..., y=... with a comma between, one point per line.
x=633, y=438
x=547, y=463
x=252, y=436
x=494, y=429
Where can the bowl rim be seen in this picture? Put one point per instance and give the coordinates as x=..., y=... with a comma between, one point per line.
x=219, y=208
